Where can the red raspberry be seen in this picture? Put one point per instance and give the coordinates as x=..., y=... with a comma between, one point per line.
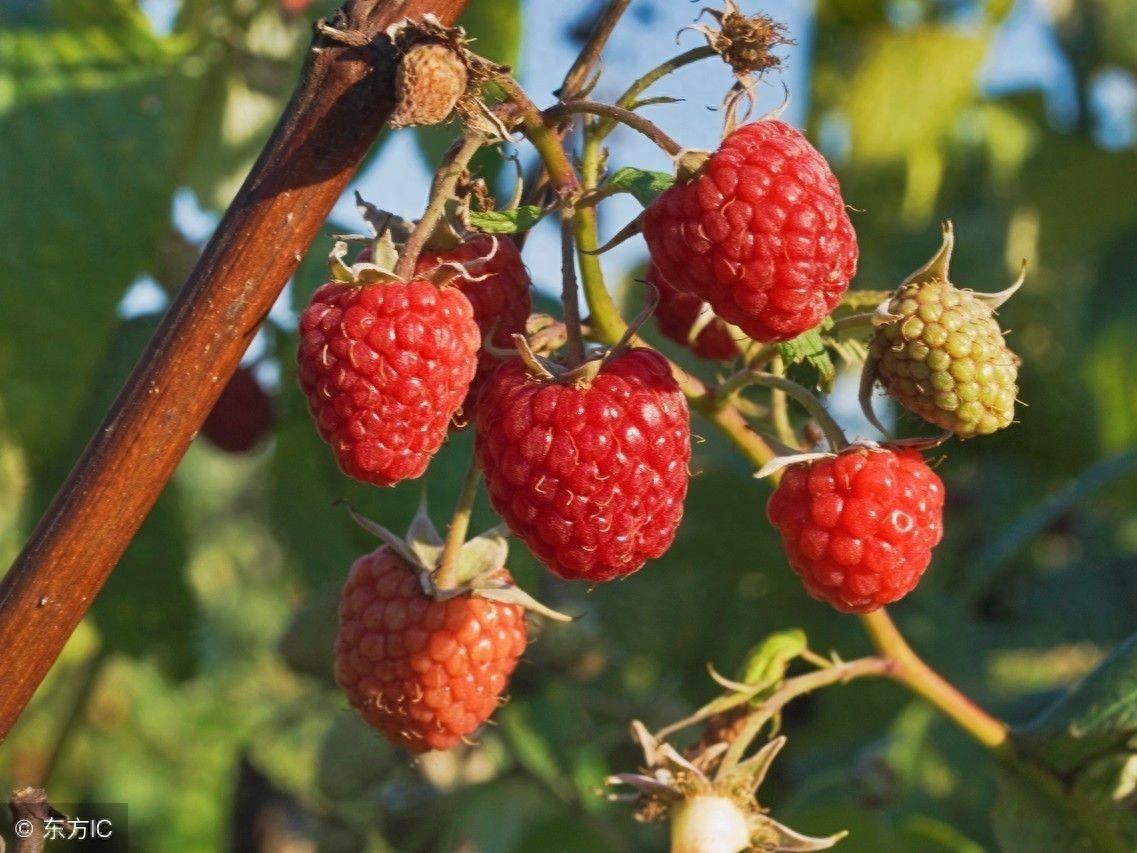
x=761, y=233
x=592, y=476
x=676, y=314
x=385, y=367
x=859, y=528
x=425, y=673
x=242, y=415
x=498, y=289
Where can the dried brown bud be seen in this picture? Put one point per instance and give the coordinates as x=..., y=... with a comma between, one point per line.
x=429, y=81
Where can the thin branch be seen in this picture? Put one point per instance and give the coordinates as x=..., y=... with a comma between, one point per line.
x=920, y=678
x=577, y=78
x=833, y=432
x=629, y=98
x=338, y=109
x=624, y=116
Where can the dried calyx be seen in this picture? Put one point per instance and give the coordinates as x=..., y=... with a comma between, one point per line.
x=719, y=815
x=478, y=563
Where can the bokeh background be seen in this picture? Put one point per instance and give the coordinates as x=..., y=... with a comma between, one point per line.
x=199, y=690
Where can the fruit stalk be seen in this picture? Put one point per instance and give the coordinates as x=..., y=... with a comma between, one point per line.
x=445, y=577
x=793, y=688
x=341, y=102
x=833, y=432
x=441, y=191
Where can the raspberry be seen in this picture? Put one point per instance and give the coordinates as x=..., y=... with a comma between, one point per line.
x=385, y=366
x=497, y=286
x=940, y=353
x=677, y=312
x=859, y=528
x=242, y=415
x=424, y=673
x=761, y=233
x=592, y=475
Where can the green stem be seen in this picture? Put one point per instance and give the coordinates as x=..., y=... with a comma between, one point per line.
x=792, y=689
x=627, y=117
x=921, y=679
x=441, y=191
x=628, y=99
x=446, y=575
x=744, y=378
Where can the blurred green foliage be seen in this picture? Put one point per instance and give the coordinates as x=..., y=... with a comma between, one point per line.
x=211, y=707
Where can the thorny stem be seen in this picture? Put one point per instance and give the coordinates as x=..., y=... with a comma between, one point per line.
x=569, y=295
x=631, y=119
x=628, y=99
x=577, y=78
x=833, y=432
x=920, y=678
x=446, y=575
x=793, y=688
x=441, y=191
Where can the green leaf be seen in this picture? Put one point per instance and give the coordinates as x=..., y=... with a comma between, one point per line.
x=644, y=185
x=1032, y=813
x=91, y=123
x=507, y=221
x=1094, y=717
x=353, y=759
x=808, y=348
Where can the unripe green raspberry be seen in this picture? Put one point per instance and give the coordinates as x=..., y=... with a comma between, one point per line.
x=939, y=352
